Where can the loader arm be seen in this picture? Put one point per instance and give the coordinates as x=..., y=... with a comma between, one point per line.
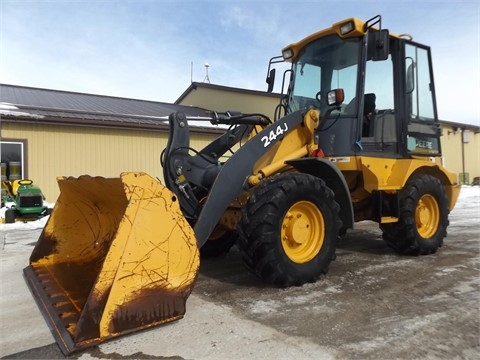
x=232, y=178
x=189, y=177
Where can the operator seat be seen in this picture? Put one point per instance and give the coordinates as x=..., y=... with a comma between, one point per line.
x=368, y=114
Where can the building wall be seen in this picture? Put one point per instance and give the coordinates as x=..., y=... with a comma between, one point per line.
x=73, y=151
x=221, y=101
x=460, y=156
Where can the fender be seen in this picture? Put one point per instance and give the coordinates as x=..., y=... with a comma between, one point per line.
x=232, y=178
x=334, y=179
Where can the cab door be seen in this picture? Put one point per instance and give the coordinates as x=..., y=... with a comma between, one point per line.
x=378, y=129
x=422, y=128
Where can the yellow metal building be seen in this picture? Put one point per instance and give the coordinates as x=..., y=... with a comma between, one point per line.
x=461, y=150
x=223, y=98
x=52, y=133
x=55, y=133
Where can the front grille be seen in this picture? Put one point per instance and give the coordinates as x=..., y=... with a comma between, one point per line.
x=31, y=201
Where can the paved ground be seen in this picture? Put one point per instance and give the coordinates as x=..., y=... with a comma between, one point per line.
x=373, y=304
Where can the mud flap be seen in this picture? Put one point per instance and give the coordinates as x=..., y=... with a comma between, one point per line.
x=115, y=256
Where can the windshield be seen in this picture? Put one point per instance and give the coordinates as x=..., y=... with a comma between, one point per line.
x=325, y=64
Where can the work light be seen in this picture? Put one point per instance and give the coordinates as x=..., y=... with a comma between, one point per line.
x=346, y=28
x=287, y=53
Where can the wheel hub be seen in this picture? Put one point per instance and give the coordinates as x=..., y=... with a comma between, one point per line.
x=427, y=216
x=302, y=232
x=297, y=228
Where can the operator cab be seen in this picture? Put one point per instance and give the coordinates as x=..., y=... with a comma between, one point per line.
x=387, y=83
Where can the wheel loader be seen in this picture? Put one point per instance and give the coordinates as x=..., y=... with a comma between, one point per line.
x=355, y=137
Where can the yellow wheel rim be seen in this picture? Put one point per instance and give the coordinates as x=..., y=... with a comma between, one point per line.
x=427, y=216
x=303, y=232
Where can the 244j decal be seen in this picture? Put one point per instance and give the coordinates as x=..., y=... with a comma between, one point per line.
x=272, y=136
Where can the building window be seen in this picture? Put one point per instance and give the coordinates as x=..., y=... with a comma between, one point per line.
x=13, y=159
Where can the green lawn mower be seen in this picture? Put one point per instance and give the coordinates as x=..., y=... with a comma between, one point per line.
x=27, y=198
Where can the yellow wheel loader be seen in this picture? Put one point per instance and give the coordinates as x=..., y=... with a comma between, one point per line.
x=356, y=137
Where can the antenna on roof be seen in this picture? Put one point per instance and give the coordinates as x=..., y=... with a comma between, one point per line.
x=191, y=72
x=207, y=79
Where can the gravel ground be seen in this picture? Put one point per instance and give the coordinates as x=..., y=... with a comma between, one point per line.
x=373, y=304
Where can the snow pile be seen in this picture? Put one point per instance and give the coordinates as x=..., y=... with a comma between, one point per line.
x=28, y=225
x=467, y=209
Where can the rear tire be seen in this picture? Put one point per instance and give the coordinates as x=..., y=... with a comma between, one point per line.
x=289, y=229
x=423, y=221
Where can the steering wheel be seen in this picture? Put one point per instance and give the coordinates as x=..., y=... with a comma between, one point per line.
x=25, y=182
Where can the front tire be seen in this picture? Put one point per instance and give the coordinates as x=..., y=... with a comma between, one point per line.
x=219, y=243
x=10, y=215
x=289, y=229
x=423, y=221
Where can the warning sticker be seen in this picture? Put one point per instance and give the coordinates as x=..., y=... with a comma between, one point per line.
x=340, y=159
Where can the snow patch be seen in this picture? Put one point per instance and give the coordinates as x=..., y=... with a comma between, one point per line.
x=12, y=110
x=7, y=106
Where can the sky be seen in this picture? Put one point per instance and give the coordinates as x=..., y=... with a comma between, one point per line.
x=153, y=49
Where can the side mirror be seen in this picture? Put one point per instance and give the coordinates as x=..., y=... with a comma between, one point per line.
x=271, y=80
x=378, y=45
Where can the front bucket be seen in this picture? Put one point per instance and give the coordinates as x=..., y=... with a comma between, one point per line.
x=115, y=256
